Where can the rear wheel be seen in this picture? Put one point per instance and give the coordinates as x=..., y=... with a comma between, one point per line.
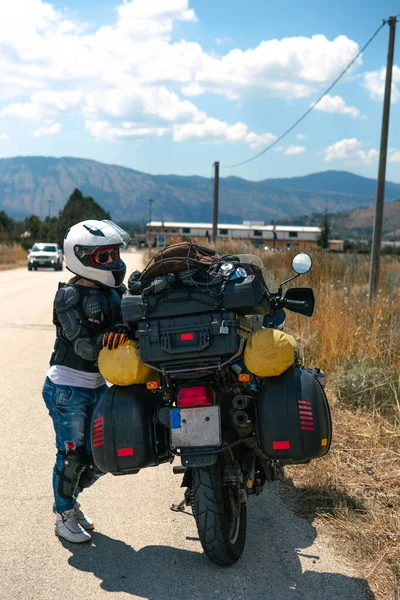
x=220, y=516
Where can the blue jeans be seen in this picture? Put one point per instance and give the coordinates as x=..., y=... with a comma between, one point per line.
x=71, y=409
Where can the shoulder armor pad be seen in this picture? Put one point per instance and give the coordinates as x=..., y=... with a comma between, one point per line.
x=66, y=298
x=95, y=307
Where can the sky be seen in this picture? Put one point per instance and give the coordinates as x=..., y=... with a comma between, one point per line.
x=170, y=86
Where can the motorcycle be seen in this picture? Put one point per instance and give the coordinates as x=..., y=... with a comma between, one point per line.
x=231, y=429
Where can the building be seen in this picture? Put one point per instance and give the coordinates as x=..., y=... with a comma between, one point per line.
x=336, y=245
x=271, y=236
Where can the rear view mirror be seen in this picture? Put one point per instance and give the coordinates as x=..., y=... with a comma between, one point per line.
x=301, y=263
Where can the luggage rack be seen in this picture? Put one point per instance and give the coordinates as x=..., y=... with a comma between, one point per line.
x=208, y=366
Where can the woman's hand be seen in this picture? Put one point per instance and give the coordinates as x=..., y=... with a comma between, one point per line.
x=115, y=338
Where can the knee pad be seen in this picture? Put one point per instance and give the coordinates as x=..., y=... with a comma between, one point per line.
x=74, y=463
x=90, y=474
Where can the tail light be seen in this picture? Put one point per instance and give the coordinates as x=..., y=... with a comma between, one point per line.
x=198, y=395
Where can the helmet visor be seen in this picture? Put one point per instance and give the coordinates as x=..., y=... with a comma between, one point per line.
x=124, y=234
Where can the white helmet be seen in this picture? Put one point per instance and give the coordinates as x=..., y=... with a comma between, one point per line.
x=103, y=239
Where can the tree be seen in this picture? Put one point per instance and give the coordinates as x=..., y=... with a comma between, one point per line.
x=48, y=229
x=33, y=225
x=30, y=231
x=7, y=226
x=78, y=208
x=323, y=238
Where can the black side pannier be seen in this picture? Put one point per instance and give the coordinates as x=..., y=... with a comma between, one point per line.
x=188, y=339
x=123, y=433
x=293, y=417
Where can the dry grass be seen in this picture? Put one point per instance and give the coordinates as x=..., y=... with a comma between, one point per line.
x=12, y=255
x=355, y=490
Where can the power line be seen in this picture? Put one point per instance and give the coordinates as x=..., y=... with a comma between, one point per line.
x=304, y=115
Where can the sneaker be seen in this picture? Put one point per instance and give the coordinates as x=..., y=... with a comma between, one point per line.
x=83, y=519
x=67, y=527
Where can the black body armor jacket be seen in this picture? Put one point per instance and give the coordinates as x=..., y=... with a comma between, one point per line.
x=81, y=315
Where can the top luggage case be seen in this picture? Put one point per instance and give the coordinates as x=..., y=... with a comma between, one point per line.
x=246, y=296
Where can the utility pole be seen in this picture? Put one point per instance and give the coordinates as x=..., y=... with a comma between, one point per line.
x=49, y=203
x=216, y=199
x=150, y=200
x=380, y=188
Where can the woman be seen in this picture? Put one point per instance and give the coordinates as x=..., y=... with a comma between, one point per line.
x=86, y=311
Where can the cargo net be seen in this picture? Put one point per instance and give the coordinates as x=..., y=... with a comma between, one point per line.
x=193, y=266
x=205, y=279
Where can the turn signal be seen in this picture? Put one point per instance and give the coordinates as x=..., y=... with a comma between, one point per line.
x=244, y=377
x=152, y=385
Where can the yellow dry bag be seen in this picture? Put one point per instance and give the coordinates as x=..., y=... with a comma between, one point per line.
x=122, y=366
x=269, y=352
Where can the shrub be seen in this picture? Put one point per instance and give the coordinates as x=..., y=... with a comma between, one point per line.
x=365, y=385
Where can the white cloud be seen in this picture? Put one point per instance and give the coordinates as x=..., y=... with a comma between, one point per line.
x=131, y=72
x=301, y=136
x=259, y=139
x=22, y=19
x=44, y=102
x=350, y=151
x=140, y=103
x=152, y=18
x=192, y=90
x=22, y=110
x=3, y=137
x=219, y=132
x=290, y=68
x=295, y=150
x=103, y=130
x=336, y=104
x=58, y=101
x=50, y=130
x=374, y=81
x=395, y=157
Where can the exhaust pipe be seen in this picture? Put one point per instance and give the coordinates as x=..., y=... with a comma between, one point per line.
x=240, y=418
x=240, y=402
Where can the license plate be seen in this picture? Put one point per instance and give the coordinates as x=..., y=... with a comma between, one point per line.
x=195, y=427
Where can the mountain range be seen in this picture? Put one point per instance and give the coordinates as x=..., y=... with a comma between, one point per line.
x=356, y=224
x=41, y=185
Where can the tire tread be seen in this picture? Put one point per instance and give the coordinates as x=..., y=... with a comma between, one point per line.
x=209, y=512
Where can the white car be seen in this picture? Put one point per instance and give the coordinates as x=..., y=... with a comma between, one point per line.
x=45, y=255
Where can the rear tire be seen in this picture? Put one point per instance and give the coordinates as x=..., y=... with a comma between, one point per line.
x=221, y=533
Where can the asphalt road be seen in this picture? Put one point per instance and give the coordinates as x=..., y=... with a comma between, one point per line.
x=140, y=548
